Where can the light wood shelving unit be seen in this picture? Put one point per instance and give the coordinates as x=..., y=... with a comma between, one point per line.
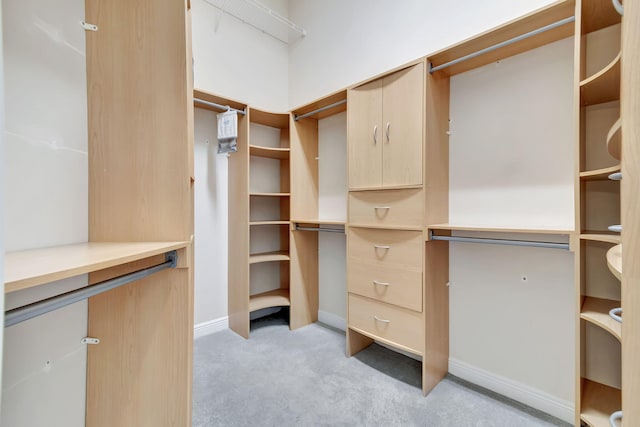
x=251, y=224
x=598, y=76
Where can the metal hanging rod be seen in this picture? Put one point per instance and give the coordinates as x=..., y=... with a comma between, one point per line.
x=328, y=230
x=560, y=23
x=20, y=314
x=507, y=242
x=218, y=106
x=319, y=110
x=618, y=7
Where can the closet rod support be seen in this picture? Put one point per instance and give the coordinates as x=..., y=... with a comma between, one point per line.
x=218, y=106
x=552, y=245
x=535, y=32
x=319, y=110
x=29, y=311
x=328, y=230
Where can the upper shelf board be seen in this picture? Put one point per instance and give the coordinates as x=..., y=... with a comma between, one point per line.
x=604, y=86
x=266, y=118
x=269, y=152
x=206, y=96
x=535, y=20
x=26, y=269
x=322, y=103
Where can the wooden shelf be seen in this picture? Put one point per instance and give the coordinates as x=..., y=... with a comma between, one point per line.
x=596, y=311
x=269, y=152
x=604, y=86
x=266, y=118
x=452, y=227
x=614, y=261
x=269, y=257
x=537, y=19
x=601, y=237
x=599, y=401
x=276, y=298
x=598, y=14
x=270, y=194
x=614, y=140
x=210, y=97
x=26, y=269
x=321, y=103
x=252, y=223
x=599, y=174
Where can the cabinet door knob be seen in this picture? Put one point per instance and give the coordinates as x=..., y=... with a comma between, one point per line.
x=382, y=246
x=381, y=320
x=387, y=131
x=382, y=207
x=375, y=282
x=375, y=134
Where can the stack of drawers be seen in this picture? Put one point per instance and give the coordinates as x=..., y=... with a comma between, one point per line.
x=385, y=265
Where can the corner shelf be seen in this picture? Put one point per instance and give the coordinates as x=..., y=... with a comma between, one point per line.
x=269, y=194
x=604, y=86
x=614, y=140
x=269, y=257
x=596, y=311
x=614, y=261
x=599, y=174
x=601, y=237
x=275, y=298
x=599, y=401
x=30, y=268
x=269, y=152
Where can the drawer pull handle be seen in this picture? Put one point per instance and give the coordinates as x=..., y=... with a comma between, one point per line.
x=382, y=246
x=382, y=207
x=387, y=132
x=375, y=282
x=381, y=320
x=375, y=134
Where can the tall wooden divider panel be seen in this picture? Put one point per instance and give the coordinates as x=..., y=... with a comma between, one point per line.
x=141, y=189
x=630, y=113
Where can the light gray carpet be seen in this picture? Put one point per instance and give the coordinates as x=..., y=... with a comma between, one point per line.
x=302, y=378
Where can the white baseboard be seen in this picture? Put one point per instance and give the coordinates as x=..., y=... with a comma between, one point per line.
x=332, y=320
x=523, y=393
x=206, y=328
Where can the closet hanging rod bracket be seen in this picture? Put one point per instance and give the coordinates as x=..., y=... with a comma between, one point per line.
x=319, y=110
x=29, y=311
x=219, y=106
x=89, y=27
x=521, y=37
x=507, y=242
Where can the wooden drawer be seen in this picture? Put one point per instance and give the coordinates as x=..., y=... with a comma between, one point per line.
x=387, y=322
x=387, y=248
x=398, y=286
x=387, y=208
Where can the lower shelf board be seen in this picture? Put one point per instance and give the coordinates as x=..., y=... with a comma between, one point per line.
x=275, y=298
x=599, y=401
x=596, y=311
x=269, y=257
x=614, y=261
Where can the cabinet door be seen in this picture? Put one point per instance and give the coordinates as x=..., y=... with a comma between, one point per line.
x=403, y=118
x=365, y=134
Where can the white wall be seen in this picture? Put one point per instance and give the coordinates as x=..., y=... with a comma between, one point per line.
x=45, y=176
x=350, y=41
x=2, y=162
x=234, y=60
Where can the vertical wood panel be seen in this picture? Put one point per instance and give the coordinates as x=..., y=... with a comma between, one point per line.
x=238, y=291
x=141, y=189
x=630, y=107
x=304, y=169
